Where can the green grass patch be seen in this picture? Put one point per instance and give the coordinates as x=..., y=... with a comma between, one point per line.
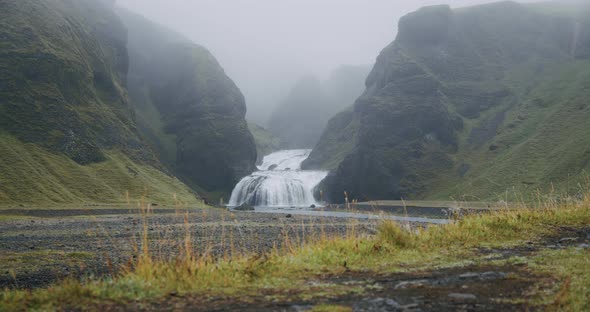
x=15, y=218
x=33, y=176
x=572, y=267
x=331, y=308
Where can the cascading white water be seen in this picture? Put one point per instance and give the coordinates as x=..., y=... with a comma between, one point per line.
x=279, y=183
x=284, y=160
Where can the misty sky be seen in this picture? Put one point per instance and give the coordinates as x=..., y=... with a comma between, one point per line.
x=266, y=45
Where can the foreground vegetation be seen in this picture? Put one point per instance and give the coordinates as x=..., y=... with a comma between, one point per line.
x=394, y=248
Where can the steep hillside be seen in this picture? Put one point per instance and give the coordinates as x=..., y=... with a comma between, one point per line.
x=63, y=73
x=300, y=119
x=190, y=111
x=470, y=103
x=67, y=131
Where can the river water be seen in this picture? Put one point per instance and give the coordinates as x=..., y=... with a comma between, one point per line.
x=280, y=186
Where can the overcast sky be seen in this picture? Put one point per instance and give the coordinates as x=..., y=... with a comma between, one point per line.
x=266, y=45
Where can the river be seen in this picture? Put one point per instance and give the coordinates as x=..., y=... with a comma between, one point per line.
x=280, y=186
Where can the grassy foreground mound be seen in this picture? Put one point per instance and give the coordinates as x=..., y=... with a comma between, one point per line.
x=286, y=274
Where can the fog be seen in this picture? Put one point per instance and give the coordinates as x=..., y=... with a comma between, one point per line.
x=265, y=46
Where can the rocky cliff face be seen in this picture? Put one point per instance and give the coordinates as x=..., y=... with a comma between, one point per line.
x=67, y=131
x=63, y=78
x=467, y=101
x=191, y=112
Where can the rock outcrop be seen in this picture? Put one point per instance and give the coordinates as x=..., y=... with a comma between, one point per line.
x=190, y=110
x=70, y=134
x=63, y=71
x=467, y=102
x=67, y=131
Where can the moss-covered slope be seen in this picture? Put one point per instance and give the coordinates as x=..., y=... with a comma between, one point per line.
x=191, y=112
x=67, y=131
x=473, y=101
x=63, y=67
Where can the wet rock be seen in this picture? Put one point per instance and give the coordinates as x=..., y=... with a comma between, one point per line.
x=289, y=216
x=568, y=239
x=312, y=206
x=469, y=275
x=411, y=284
x=301, y=308
x=412, y=307
x=378, y=304
x=272, y=167
x=244, y=207
x=462, y=297
x=482, y=276
x=493, y=275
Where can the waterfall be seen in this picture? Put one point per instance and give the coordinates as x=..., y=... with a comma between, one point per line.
x=280, y=182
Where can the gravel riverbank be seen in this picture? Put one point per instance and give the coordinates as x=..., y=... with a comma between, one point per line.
x=41, y=246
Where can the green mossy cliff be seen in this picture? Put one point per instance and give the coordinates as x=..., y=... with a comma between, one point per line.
x=62, y=78
x=469, y=103
x=191, y=112
x=68, y=132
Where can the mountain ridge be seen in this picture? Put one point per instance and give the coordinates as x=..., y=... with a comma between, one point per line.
x=69, y=132
x=462, y=91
